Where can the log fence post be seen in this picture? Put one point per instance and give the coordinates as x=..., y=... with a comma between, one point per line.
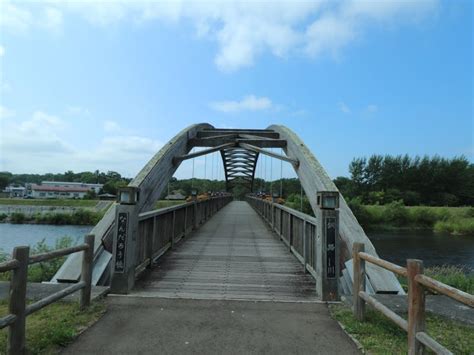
x=416, y=306
x=359, y=281
x=86, y=273
x=17, y=302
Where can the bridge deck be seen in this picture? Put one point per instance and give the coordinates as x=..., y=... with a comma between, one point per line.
x=233, y=256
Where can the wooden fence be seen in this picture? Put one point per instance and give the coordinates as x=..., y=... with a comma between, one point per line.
x=296, y=229
x=19, y=310
x=418, y=339
x=159, y=230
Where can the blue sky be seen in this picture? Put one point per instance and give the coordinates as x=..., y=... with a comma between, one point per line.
x=103, y=85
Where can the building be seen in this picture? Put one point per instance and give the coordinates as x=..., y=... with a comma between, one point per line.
x=15, y=191
x=60, y=189
x=45, y=191
x=95, y=187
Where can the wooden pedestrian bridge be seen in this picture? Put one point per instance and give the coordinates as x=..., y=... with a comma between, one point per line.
x=227, y=250
x=244, y=243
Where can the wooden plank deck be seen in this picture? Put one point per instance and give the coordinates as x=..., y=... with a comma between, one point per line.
x=233, y=256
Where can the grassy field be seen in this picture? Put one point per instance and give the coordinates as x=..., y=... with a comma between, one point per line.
x=48, y=202
x=166, y=203
x=55, y=326
x=378, y=335
x=453, y=220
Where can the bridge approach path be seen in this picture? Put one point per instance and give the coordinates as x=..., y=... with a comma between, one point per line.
x=230, y=288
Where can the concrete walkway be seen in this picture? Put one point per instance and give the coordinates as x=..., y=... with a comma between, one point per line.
x=137, y=325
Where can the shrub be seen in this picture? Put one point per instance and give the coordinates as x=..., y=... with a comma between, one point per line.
x=3, y=217
x=458, y=226
x=422, y=216
x=395, y=213
x=45, y=271
x=17, y=217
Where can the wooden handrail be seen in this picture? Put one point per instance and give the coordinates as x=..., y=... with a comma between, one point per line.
x=57, y=253
x=9, y=265
x=417, y=282
x=446, y=290
x=402, y=271
x=16, y=320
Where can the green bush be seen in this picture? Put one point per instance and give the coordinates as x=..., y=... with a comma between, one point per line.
x=396, y=214
x=460, y=226
x=17, y=217
x=422, y=216
x=45, y=271
x=3, y=217
x=454, y=276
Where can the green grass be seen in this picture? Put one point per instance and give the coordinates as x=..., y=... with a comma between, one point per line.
x=48, y=202
x=166, y=203
x=81, y=217
x=379, y=335
x=453, y=220
x=55, y=326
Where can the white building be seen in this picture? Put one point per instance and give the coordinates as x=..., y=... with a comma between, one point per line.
x=62, y=189
x=95, y=187
x=15, y=191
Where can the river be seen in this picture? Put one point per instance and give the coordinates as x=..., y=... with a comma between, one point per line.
x=12, y=235
x=395, y=246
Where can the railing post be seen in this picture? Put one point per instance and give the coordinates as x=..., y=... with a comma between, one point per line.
x=17, y=302
x=86, y=273
x=195, y=223
x=305, y=251
x=416, y=306
x=173, y=229
x=125, y=241
x=149, y=244
x=327, y=246
x=358, y=265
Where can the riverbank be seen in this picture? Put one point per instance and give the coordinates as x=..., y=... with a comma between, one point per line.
x=79, y=217
x=452, y=220
x=48, y=202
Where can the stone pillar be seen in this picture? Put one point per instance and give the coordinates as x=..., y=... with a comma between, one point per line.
x=327, y=246
x=125, y=241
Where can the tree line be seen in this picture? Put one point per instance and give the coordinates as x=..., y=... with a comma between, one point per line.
x=431, y=181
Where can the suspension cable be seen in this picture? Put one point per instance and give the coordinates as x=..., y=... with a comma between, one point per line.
x=271, y=174
x=192, y=177
x=281, y=176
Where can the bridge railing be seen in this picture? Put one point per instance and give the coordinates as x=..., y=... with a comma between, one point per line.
x=159, y=230
x=19, y=310
x=296, y=229
x=417, y=284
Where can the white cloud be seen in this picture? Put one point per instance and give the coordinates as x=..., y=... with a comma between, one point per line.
x=344, y=108
x=5, y=112
x=39, y=144
x=53, y=18
x=242, y=30
x=111, y=126
x=2, y=51
x=372, y=108
x=77, y=111
x=248, y=103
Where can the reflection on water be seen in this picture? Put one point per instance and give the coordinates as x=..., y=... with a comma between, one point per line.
x=12, y=235
x=432, y=248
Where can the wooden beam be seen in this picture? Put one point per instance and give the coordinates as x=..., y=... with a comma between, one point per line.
x=253, y=134
x=180, y=158
x=294, y=162
x=213, y=142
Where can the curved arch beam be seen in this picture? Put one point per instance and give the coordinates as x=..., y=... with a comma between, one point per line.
x=314, y=178
x=151, y=181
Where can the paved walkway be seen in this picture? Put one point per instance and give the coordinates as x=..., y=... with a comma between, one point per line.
x=233, y=256
x=137, y=325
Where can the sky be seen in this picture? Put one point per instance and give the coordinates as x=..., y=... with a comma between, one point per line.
x=103, y=85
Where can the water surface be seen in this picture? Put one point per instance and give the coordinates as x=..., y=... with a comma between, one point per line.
x=433, y=248
x=12, y=235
